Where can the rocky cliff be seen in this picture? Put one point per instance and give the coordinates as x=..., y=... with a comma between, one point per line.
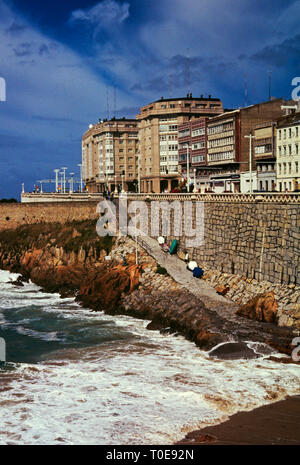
x=71, y=259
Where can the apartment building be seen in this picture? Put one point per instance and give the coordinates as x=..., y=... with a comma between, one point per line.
x=192, y=143
x=158, y=137
x=110, y=155
x=288, y=153
x=265, y=156
x=228, y=146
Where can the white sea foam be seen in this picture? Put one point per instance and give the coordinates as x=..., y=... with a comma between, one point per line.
x=147, y=389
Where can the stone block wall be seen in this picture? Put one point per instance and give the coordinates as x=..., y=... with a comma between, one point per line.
x=260, y=241
x=13, y=215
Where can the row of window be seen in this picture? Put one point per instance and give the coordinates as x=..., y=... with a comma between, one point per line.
x=220, y=142
x=170, y=158
x=290, y=132
x=168, y=137
x=167, y=127
x=198, y=145
x=198, y=159
x=171, y=148
x=220, y=128
x=267, y=148
x=286, y=168
x=220, y=156
x=288, y=150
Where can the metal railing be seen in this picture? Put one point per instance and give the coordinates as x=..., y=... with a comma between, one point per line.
x=276, y=197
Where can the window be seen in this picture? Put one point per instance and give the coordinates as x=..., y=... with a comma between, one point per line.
x=279, y=134
x=290, y=132
x=296, y=166
x=198, y=132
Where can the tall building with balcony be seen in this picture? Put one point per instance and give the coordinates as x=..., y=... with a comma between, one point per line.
x=228, y=148
x=158, y=137
x=192, y=144
x=265, y=156
x=110, y=155
x=288, y=153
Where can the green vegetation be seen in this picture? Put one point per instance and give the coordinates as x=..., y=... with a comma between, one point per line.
x=8, y=201
x=161, y=270
x=71, y=236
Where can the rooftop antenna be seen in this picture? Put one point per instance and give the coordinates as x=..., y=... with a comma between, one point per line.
x=246, y=90
x=115, y=102
x=269, y=82
x=107, y=103
x=188, y=71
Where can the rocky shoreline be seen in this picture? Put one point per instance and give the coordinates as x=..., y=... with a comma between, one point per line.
x=71, y=260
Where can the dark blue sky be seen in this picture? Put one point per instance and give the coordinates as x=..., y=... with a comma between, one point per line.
x=59, y=58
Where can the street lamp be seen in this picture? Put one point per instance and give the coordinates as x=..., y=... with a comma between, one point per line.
x=188, y=165
x=139, y=173
x=195, y=188
x=122, y=176
x=250, y=137
x=80, y=166
x=56, y=171
x=71, y=183
x=61, y=181
x=116, y=189
x=64, y=171
x=41, y=183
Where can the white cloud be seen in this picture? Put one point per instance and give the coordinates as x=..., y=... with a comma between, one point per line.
x=103, y=14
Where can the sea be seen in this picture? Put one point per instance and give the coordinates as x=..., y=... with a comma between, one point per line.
x=75, y=376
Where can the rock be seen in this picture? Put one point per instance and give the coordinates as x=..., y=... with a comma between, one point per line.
x=75, y=233
x=233, y=351
x=222, y=290
x=263, y=308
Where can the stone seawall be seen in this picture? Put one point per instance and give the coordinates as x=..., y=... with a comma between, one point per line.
x=13, y=215
x=256, y=239
x=259, y=240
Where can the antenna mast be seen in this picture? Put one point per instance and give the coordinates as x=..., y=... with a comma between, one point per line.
x=269, y=82
x=188, y=71
x=107, y=102
x=246, y=90
x=115, y=102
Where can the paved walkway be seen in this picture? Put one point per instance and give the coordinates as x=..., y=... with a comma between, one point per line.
x=200, y=288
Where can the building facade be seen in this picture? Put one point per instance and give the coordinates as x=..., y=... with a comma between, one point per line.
x=228, y=145
x=288, y=153
x=158, y=137
x=265, y=156
x=110, y=156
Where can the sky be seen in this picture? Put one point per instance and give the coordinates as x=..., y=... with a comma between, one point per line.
x=68, y=63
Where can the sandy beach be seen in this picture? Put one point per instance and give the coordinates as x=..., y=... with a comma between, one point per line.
x=273, y=424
